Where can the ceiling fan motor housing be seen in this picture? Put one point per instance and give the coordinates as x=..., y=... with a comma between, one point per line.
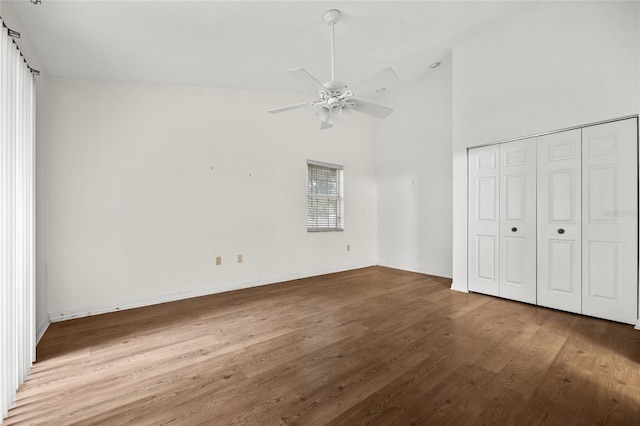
x=335, y=88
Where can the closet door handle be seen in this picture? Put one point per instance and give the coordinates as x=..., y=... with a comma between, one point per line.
x=514, y=229
x=560, y=231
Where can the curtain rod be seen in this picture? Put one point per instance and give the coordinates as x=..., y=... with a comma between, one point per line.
x=14, y=35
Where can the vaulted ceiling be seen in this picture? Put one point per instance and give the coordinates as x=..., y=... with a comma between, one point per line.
x=247, y=45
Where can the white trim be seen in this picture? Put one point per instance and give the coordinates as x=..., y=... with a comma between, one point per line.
x=417, y=271
x=566, y=129
x=103, y=309
x=328, y=165
x=461, y=288
x=637, y=327
x=42, y=328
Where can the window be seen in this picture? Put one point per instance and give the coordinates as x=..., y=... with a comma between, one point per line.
x=325, y=204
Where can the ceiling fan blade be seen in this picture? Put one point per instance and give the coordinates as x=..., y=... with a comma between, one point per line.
x=296, y=106
x=324, y=125
x=307, y=79
x=380, y=80
x=369, y=108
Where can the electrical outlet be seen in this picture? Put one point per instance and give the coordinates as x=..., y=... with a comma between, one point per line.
x=348, y=247
x=240, y=258
x=218, y=260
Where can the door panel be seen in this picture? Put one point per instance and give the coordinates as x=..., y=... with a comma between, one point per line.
x=604, y=261
x=610, y=225
x=603, y=200
x=517, y=220
x=559, y=218
x=486, y=199
x=515, y=190
x=560, y=195
x=514, y=253
x=483, y=220
x=486, y=247
x=562, y=253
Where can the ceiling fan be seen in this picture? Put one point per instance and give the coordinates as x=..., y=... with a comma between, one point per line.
x=335, y=96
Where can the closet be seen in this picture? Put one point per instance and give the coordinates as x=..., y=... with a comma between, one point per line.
x=553, y=220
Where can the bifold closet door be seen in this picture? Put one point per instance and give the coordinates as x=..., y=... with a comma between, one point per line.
x=559, y=221
x=484, y=217
x=518, y=221
x=610, y=221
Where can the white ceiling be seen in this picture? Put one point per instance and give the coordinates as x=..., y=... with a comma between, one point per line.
x=247, y=45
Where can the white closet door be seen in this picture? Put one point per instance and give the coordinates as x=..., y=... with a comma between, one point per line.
x=483, y=220
x=559, y=221
x=518, y=220
x=610, y=221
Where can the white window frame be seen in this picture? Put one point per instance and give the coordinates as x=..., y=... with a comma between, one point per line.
x=325, y=197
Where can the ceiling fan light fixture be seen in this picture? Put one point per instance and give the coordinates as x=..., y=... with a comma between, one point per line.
x=334, y=103
x=323, y=114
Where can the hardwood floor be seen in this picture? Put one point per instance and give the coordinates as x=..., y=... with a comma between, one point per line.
x=371, y=346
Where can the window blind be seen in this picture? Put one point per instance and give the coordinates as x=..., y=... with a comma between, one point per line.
x=17, y=226
x=325, y=198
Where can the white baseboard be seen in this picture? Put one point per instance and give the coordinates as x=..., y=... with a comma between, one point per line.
x=42, y=328
x=462, y=288
x=96, y=310
x=637, y=327
x=416, y=270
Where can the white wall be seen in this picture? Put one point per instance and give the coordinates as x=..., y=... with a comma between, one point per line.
x=146, y=185
x=556, y=65
x=414, y=175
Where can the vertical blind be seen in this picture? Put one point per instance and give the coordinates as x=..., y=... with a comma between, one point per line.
x=17, y=226
x=325, y=199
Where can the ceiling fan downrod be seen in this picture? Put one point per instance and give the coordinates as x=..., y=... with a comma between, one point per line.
x=331, y=17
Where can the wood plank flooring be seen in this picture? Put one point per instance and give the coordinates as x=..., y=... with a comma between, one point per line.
x=370, y=346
